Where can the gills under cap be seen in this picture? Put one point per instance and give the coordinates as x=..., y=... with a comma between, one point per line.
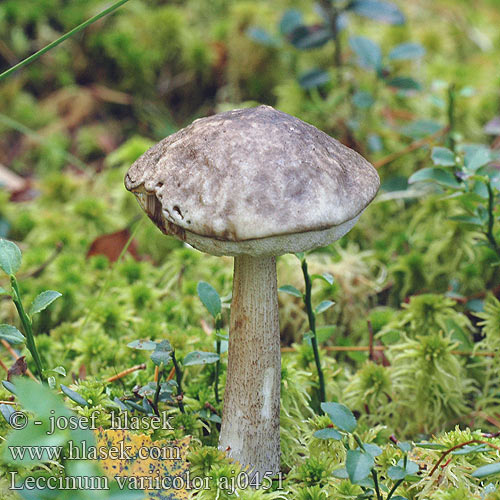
x=253, y=181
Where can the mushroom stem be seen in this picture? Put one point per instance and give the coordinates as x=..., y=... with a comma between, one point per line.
x=250, y=430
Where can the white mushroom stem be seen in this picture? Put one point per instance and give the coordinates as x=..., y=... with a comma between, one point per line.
x=250, y=430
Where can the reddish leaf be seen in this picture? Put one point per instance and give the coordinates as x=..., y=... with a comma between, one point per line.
x=112, y=244
x=18, y=368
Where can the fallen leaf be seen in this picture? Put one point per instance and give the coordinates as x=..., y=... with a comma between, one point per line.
x=112, y=244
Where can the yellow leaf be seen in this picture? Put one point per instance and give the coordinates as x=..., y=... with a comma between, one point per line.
x=136, y=461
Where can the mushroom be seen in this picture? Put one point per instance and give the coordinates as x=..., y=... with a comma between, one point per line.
x=253, y=183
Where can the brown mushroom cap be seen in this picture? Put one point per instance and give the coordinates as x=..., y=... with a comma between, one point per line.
x=253, y=181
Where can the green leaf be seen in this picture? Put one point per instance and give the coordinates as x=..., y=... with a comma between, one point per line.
x=310, y=37
x=6, y=411
x=200, y=358
x=340, y=415
x=162, y=353
x=328, y=433
x=210, y=298
x=404, y=446
x=291, y=20
x=421, y=128
x=443, y=156
x=59, y=370
x=404, y=83
x=435, y=175
x=373, y=449
x=314, y=78
x=358, y=465
x=487, y=470
x=290, y=290
x=406, y=51
x=477, y=158
x=74, y=396
x=363, y=99
x=323, y=306
x=11, y=334
x=10, y=257
x=327, y=277
x=368, y=52
x=378, y=10
x=9, y=386
x=399, y=471
x=261, y=36
x=340, y=473
x=143, y=345
x=43, y=300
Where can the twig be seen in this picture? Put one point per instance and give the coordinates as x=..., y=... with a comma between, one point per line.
x=61, y=39
x=4, y=366
x=12, y=403
x=40, y=269
x=370, y=345
x=16, y=357
x=461, y=445
x=408, y=149
x=126, y=372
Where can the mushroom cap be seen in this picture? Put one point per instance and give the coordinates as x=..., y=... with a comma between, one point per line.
x=253, y=181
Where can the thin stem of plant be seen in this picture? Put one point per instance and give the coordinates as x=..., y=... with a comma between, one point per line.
x=28, y=330
x=178, y=378
x=312, y=326
x=451, y=117
x=375, y=482
x=491, y=219
x=61, y=39
x=126, y=372
x=157, y=391
x=394, y=488
x=217, y=366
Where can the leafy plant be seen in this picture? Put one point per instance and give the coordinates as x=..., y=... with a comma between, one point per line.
x=312, y=336
x=10, y=262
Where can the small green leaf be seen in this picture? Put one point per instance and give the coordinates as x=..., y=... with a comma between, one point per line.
x=323, y=306
x=368, y=52
x=358, y=465
x=59, y=370
x=378, y=10
x=406, y=51
x=43, y=300
x=210, y=298
x=340, y=415
x=404, y=446
x=162, y=353
x=290, y=290
x=291, y=19
x=435, y=175
x=487, y=470
x=328, y=433
x=11, y=334
x=363, y=99
x=467, y=219
x=404, y=83
x=314, y=78
x=9, y=386
x=327, y=277
x=373, y=449
x=10, y=257
x=261, y=36
x=310, y=37
x=200, y=358
x=396, y=473
x=74, y=396
x=467, y=450
x=6, y=411
x=143, y=345
x=443, y=156
x=399, y=471
x=477, y=158
x=431, y=446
